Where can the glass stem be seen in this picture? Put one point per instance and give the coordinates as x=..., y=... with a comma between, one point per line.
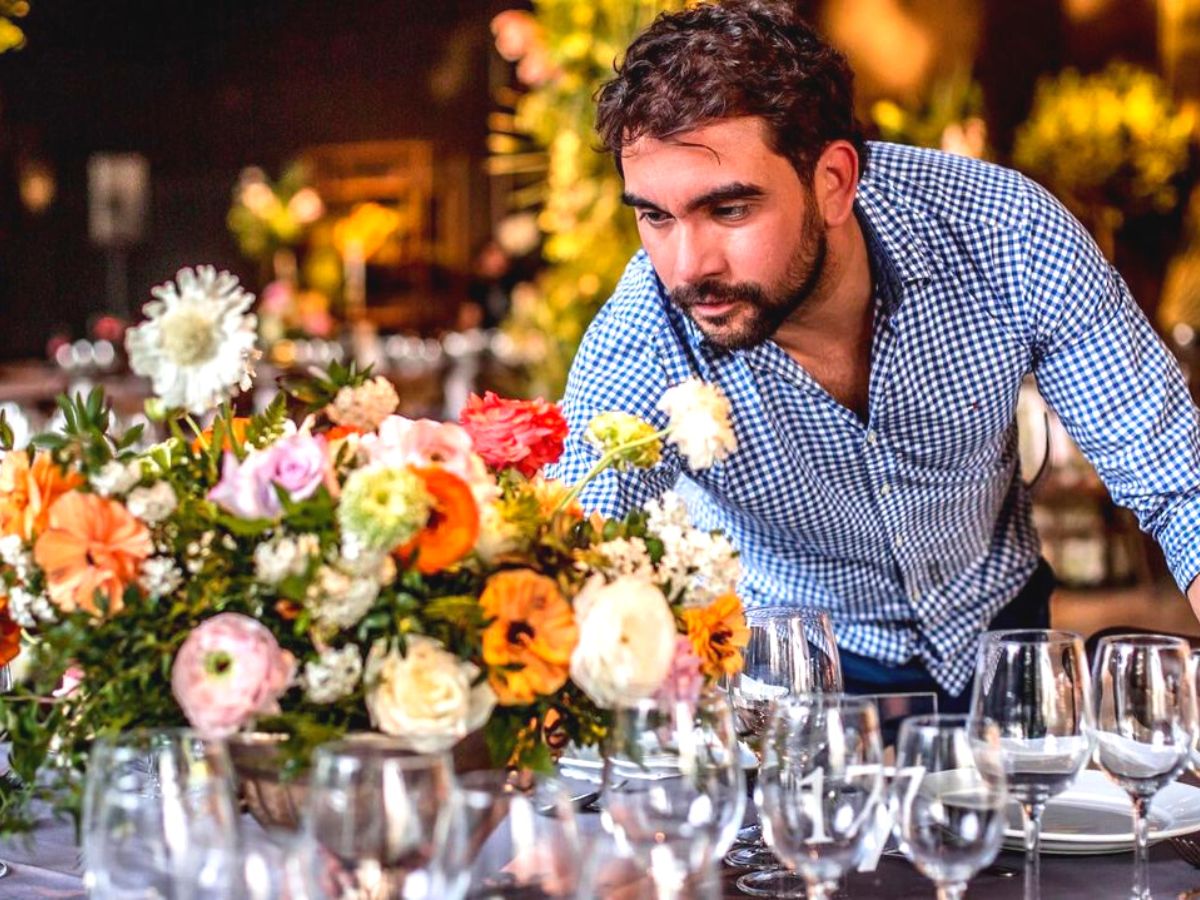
x=1033, y=849
x=1141, y=849
x=951, y=891
x=820, y=890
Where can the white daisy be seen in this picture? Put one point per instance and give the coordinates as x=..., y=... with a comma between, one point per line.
x=197, y=344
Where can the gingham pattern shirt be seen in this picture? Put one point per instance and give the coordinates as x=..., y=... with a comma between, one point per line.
x=914, y=527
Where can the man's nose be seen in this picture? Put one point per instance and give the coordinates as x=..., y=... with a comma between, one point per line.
x=696, y=257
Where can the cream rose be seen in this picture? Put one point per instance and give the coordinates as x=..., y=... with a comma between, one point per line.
x=425, y=698
x=626, y=640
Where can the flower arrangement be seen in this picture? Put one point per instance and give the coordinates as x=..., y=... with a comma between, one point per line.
x=1109, y=145
x=342, y=569
x=950, y=118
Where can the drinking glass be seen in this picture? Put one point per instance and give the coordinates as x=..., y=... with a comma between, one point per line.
x=1034, y=685
x=950, y=798
x=674, y=789
x=819, y=788
x=382, y=822
x=522, y=836
x=790, y=651
x=159, y=818
x=1145, y=724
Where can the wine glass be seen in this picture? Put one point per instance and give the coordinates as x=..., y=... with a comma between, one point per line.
x=950, y=797
x=1145, y=724
x=819, y=788
x=674, y=790
x=790, y=651
x=522, y=837
x=159, y=818
x=382, y=822
x=1034, y=685
x=6, y=684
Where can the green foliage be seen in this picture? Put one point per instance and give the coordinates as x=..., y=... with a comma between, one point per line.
x=588, y=235
x=318, y=389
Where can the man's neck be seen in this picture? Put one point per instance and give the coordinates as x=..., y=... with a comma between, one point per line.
x=839, y=318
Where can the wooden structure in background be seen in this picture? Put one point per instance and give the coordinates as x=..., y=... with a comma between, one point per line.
x=413, y=281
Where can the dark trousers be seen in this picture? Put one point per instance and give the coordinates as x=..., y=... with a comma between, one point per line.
x=1029, y=609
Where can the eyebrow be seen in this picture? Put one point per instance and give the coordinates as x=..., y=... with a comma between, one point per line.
x=737, y=190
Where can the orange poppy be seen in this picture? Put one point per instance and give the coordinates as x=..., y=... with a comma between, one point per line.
x=92, y=545
x=528, y=645
x=28, y=491
x=10, y=635
x=453, y=524
x=238, y=426
x=341, y=432
x=718, y=633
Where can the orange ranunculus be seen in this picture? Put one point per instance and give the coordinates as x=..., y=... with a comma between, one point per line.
x=718, y=633
x=238, y=426
x=453, y=524
x=10, y=635
x=528, y=645
x=92, y=544
x=341, y=432
x=28, y=491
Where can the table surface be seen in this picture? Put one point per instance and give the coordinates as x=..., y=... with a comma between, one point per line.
x=47, y=864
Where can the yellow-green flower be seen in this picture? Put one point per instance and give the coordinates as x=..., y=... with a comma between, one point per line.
x=633, y=441
x=383, y=507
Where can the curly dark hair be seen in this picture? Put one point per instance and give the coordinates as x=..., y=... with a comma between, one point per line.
x=733, y=58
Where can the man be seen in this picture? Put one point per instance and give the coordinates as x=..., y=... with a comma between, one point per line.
x=870, y=311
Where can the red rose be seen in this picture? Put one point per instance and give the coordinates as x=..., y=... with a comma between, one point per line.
x=521, y=434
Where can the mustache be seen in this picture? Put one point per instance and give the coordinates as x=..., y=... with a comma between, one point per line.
x=688, y=295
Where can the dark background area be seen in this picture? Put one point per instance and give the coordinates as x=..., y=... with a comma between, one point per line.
x=203, y=89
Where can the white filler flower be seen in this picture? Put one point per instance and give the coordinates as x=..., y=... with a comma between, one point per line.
x=699, y=422
x=197, y=344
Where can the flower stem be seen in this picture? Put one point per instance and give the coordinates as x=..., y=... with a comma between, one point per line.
x=603, y=463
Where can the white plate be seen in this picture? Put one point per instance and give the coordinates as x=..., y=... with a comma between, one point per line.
x=1093, y=817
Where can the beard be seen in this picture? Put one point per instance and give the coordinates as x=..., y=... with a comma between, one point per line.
x=758, y=312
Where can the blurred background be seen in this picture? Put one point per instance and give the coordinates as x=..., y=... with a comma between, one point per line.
x=415, y=185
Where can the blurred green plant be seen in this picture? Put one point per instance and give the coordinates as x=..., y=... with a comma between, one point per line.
x=544, y=141
x=949, y=118
x=267, y=216
x=1111, y=146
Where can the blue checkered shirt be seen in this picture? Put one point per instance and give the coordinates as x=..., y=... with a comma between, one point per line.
x=913, y=528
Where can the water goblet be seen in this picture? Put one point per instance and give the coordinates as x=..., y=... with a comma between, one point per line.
x=950, y=797
x=819, y=789
x=522, y=836
x=1034, y=685
x=790, y=651
x=159, y=818
x=382, y=822
x=674, y=788
x=1145, y=724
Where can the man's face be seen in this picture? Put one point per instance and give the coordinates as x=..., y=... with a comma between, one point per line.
x=731, y=229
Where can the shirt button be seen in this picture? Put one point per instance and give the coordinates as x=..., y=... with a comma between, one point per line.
x=898, y=541
x=872, y=437
x=885, y=490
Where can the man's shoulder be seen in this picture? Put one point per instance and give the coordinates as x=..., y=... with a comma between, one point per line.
x=947, y=187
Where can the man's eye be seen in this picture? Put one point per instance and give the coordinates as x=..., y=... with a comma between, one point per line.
x=653, y=217
x=731, y=212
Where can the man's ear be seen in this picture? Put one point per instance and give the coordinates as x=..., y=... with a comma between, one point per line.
x=835, y=182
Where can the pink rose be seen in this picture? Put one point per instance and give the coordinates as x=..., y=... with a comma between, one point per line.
x=403, y=442
x=229, y=668
x=522, y=434
x=297, y=463
x=684, y=679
